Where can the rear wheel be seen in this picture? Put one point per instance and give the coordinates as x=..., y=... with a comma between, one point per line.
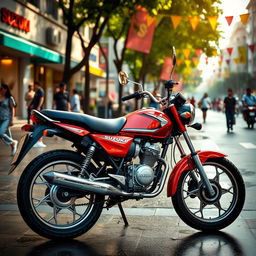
x=53, y=211
x=203, y=212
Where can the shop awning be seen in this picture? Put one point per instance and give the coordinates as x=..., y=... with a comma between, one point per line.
x=26, y=46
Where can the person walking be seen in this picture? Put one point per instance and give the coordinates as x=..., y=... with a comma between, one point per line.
x=75, y=102
x=7, y=112
x=193, y=101
x=205, y=105
x=28, y=98
x=230, y=109
x=37, y=104
x=61, y=98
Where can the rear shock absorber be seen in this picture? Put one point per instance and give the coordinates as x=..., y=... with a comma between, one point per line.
x=87, y=161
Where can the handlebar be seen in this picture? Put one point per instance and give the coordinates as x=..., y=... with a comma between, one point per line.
x=131, y=96
x=141, y=94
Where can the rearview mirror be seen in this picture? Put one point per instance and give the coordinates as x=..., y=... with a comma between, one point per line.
x=123, y=78
x=174, y=56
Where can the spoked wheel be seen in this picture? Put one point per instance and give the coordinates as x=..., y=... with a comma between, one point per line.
x=53, y=211
x=202, y=211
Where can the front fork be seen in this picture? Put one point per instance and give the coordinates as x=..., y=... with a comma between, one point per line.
x=197, y=162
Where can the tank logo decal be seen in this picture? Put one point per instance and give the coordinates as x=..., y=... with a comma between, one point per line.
x=116, y=139
x=162, y=120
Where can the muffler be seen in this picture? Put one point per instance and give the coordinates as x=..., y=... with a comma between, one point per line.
x=85, y=185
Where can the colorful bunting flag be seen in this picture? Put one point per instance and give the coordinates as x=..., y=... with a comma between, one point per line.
x=244, y=18
x=195, y=61
x=228, y=62
x=252, y=47
x=199, y=52
x=166, y=69
x=220, y=62
x=230, y=50
x=236, y=60
x=194, y=20
x=229, y=19
x=175, y=20
x=141, y=32
x=213, y=21
x=214, y=53
x=187, y=62
x=242, y=54
x=178, y=62
x=186, y=52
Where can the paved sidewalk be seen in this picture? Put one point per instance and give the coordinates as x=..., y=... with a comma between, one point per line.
x=154, y=228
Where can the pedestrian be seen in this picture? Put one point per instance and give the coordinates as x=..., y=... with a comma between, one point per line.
x=61, y=98
x=28, y=98
x=205, y=105
x=153, y=104
x=75, y=102
x=37, y=104
x=7, y=112
x=249, y=99
x=230, y=109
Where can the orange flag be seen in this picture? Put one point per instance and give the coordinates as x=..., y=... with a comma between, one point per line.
x=244, y=18
x=175, y=20
x=213, y=21
x=236, y=60
x=214, y=53
x=141, y=32
x=166, y=69
x=187, y=62
x=195, y=61
x=178, y=62
x=194, y=20
x=186, y=52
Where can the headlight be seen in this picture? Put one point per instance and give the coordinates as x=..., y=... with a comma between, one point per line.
x=187, y=113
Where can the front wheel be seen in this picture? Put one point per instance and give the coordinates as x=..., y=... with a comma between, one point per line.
x=52, y=211
x=203, y=212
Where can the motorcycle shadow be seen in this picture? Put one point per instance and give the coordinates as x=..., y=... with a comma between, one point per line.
x=201, y=243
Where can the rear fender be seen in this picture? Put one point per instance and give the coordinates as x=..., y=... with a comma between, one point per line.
x=26, y=143
x=187, y=163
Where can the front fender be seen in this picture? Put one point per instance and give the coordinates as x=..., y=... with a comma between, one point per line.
x=186, y=163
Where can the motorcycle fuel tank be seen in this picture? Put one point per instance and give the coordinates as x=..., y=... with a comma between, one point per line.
x=147, y=122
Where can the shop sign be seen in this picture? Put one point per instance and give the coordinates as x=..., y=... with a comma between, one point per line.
x=15, y=20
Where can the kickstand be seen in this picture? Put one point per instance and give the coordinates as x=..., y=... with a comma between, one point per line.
x=123, y=214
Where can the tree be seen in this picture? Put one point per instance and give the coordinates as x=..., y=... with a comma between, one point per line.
x=118, y=28
x=77, y=14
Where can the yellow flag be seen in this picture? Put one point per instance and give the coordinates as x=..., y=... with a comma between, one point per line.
x=236, y=60
x=244, y=18
x=214, y=53
x=242, y=54
x=194, y=20
x=187, y=62
x=175, y=20
x=220, y=62
x=159, y=18
x=186, y=52
x=213, y=21
x=195, y=61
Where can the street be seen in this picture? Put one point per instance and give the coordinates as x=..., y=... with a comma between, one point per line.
x=154, y=227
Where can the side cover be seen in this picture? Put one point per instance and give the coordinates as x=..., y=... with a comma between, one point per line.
x=186, y=163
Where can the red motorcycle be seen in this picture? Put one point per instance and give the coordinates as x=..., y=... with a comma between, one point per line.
x=61, y=193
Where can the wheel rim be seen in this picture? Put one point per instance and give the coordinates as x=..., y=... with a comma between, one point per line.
x=49, y=207
x=200, y=205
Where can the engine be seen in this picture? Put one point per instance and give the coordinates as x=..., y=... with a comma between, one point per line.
x=140, y=176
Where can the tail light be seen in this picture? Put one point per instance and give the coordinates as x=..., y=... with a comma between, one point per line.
x=27, y=128
x=35, y=119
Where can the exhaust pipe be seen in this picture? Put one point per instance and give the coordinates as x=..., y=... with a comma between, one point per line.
x=81, y=184
x=96, y=187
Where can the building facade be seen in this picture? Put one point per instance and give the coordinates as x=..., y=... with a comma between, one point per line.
x=32, y=48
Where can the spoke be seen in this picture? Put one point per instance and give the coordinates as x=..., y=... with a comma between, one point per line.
x=43, y=180
x=73, y=210
x=217, y=176
x=56, y=210
x=224, y=191
x=42, y=183
x=202, y=205
x=192, y=192
x=69, y=170
x=218, y=206
x=43, y=200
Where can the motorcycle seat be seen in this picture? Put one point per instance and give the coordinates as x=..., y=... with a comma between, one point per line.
x=91, y=123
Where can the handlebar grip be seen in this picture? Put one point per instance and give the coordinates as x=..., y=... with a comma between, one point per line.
x=131, y=96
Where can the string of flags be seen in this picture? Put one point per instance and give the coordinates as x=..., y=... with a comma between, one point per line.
x=195, y=20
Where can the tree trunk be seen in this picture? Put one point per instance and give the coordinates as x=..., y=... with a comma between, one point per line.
x=87, y=88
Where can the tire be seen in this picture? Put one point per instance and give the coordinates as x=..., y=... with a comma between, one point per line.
x=201, y=212
x=37, y=199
